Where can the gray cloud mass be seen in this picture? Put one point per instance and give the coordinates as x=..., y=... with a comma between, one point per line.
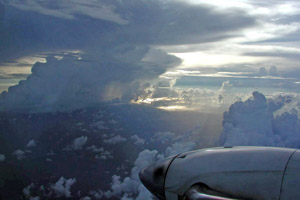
x=116, y=55
x=149, y=22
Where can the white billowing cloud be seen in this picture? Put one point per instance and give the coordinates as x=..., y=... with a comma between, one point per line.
x=63, y=186
x=95, y=149
x=96, y=193
x=289, y=103
x=131, y=187
x=137, y=140
x=126, y=197
x=143, y=193
x=27, y=190
x=100, y=125
x=31, y=143
x=71, y=83
x=118, y=187
x=113, y=122
x=2, y=157
x=101, y=153
x=78, y=143
x=69, y=9
x=104, y=156
x=34, y=198
x=85, y=198
x=20, y=154
x=179, y=147
x=60, y=189
x=115, y=140
x=262, y=122
x=164, y=137
x=176, y=143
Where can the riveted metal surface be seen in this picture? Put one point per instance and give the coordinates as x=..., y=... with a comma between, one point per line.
x=242, y=172
x=291, y=181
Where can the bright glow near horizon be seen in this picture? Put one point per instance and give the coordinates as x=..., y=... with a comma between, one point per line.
x=197, y=59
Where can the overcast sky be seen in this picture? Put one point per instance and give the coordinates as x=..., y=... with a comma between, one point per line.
x=128, y=49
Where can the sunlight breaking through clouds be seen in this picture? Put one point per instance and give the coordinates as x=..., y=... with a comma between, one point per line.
x=196, y=59
x=221, y=42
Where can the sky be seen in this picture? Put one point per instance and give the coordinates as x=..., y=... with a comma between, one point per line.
x=173, y=54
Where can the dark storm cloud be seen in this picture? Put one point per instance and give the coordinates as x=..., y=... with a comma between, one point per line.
x=181, y=23
x=116, y=58
x=149, y=22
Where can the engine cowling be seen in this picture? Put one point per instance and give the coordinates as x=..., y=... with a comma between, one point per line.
x=231, y=173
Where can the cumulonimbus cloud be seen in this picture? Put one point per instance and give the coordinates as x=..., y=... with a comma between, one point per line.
x=259, y=121
x=116, y=58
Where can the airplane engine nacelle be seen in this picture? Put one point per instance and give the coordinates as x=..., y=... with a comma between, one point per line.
x=260, y=173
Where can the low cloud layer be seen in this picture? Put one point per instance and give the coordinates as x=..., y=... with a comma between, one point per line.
x=31, y=143
x=115, y=140
x=2, y=157
x=101, y=153
x=130, y=187
x=137, y=140
x=63, y=186
x=20, y=154
x=78, y=143
x=60, y=189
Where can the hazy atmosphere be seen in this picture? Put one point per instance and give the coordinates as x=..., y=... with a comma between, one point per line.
x=92, y=91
